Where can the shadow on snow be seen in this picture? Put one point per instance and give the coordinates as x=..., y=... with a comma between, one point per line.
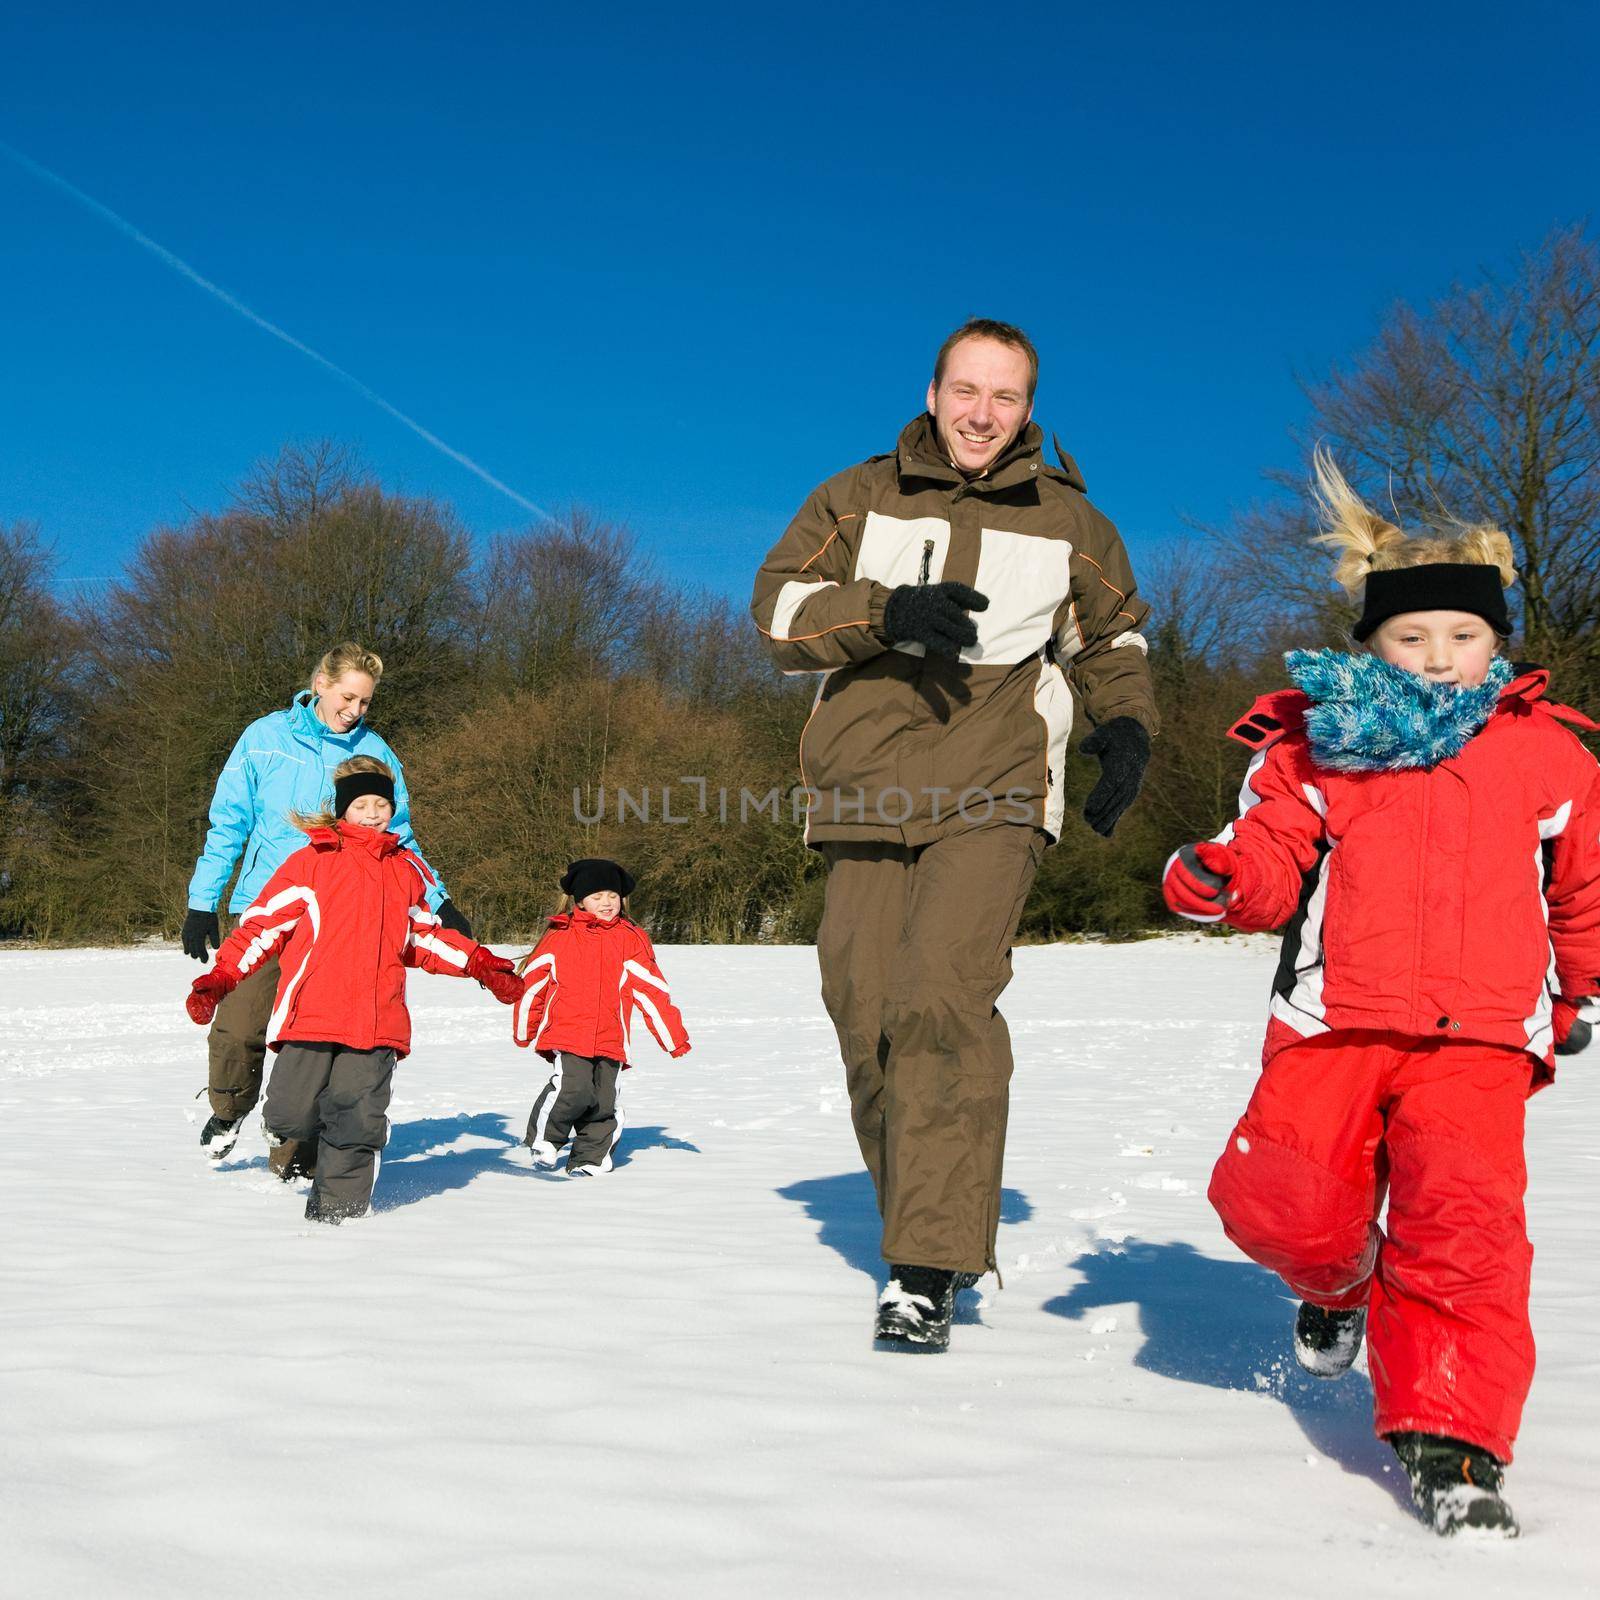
x=418, y=1162
x=1227, y=1325
x=846, y=1213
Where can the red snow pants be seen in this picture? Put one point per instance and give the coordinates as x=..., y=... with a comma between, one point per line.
x=1336, y=1122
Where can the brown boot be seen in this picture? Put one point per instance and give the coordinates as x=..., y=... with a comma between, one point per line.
x=291, y=1158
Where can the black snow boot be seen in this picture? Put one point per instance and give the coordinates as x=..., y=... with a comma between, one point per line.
x=914, y=1309
x=220, y=1135
x=1456, y=1486
x=1326, y=1343
x=321, y=1209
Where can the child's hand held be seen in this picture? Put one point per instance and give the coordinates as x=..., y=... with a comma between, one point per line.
x=206, y=993
x=496, y=974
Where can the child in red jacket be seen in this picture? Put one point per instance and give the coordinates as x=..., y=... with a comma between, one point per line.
x=1430, y=833
x=348, y=911
x=581, y=984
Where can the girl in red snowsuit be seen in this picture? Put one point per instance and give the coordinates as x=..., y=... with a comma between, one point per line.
x=348, y=912
x=1429, y=830
x=581, y=985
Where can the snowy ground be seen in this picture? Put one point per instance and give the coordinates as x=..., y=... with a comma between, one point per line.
x=661, y=1382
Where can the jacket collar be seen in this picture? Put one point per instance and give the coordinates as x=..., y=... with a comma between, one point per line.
x=918, y=454
x=579, y=918
x=303, y=714
x=1527, y=685
x=1283, y=710
x=349, y=836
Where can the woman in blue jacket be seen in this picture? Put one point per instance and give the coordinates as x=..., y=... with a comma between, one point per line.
x=282, y=763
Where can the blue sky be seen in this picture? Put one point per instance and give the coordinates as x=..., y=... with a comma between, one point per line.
x=680, y=264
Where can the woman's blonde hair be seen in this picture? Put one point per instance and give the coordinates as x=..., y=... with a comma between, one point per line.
x=1369, y=543
x=305, y=821
x=348, y=657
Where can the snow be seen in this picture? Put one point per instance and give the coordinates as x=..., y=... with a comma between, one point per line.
x=661, y=1382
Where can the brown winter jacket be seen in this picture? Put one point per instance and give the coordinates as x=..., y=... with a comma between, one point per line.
x=905, y=748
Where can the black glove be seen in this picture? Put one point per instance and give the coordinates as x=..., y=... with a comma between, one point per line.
x=933, y=615
x=198, y=927
x=1123, y=747
x=450, y=915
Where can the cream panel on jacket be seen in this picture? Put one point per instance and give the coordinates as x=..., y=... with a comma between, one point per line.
x=896, y=550
x=1026, y=578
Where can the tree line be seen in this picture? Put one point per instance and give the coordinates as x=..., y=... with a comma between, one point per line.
x=556, y=664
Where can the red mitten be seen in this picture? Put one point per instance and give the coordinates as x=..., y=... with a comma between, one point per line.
x=682, y=1050
x=1572, y=1031
x=1196, y=882
x=496, y=974
x=207, y=992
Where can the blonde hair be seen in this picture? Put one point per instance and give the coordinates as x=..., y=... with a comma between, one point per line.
x=305, y=821
x=348, y=657
x=1368, y=543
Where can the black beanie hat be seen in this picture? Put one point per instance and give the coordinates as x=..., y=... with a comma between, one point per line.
x=593, y=874
x=355, y=784
x=1469, y=586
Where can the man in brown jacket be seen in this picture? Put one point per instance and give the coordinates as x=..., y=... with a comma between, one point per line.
x=946, y=592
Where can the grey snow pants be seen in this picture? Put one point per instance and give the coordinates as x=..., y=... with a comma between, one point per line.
x=337, y=1100
x=581, y=1099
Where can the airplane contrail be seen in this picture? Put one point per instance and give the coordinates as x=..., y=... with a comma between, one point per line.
x=182, y=267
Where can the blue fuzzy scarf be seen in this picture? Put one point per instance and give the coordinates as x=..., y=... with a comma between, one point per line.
x=1368, y=715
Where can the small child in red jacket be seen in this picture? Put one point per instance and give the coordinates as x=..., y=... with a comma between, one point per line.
x=349, y=913
x=1430, y=833
x=581, y=985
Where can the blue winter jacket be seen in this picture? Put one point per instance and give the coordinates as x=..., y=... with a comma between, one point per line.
x=284, y=762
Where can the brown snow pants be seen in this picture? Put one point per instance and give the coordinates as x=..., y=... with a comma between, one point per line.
x=915, y=948
x=238, y=1043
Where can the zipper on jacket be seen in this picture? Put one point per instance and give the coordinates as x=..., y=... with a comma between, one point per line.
x=1424, y=844
x=927, y=561
x=377, y=979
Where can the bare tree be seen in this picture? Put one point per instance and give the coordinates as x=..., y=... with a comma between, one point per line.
x=1486, y=407
x=297, y=483
x=558, y=602
x=39, y=722
x=221, y=620
x=36, y=653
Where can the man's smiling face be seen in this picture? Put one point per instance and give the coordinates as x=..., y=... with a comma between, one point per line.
x=981, y=403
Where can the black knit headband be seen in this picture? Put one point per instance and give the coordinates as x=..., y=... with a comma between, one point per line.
x=355, y=784
x=1438, y=586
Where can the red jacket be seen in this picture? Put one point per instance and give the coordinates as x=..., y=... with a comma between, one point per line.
x=347, y=913
x=1449, y=902
x=583, y=984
